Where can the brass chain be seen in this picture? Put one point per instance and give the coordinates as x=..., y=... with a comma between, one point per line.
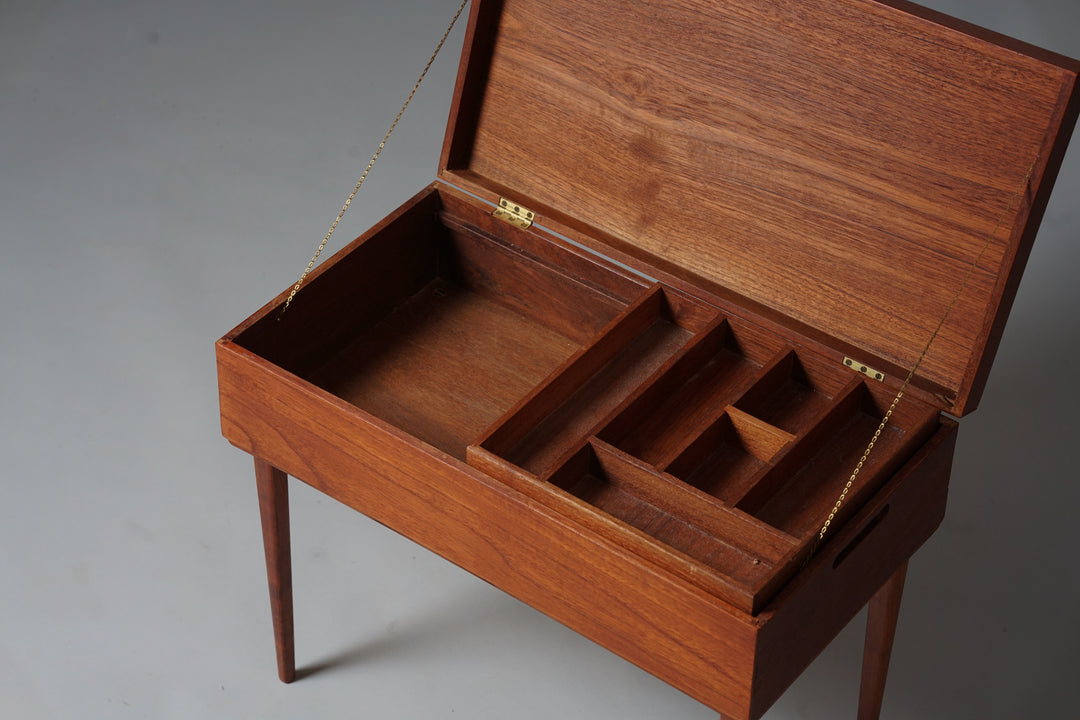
x=922, y=356
x=378, y=151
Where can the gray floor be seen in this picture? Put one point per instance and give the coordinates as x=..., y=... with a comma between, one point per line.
x=165, y=168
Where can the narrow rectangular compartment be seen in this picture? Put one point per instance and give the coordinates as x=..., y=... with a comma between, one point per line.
x=554, y=421
x=693, y=392
x=794, y=392
x=801, y=488
x=723, y=549
x=439, y=328
x=729, y=456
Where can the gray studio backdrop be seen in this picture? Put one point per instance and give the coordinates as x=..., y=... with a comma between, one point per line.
x=165, y=168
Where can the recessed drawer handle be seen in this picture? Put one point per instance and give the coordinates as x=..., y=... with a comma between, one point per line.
x=843, y=554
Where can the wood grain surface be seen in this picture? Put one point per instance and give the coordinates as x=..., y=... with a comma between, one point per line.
x=646, y=451
x=842, y=162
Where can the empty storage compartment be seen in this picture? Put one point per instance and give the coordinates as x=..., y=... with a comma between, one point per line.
x=692, y=393
x=728, y=458
x=801, y=488
x=558, y=417
x=437, y=328
x=720, y=548
x=794, y=392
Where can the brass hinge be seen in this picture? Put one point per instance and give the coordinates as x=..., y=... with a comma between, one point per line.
x=514, y=214
x=868, y=371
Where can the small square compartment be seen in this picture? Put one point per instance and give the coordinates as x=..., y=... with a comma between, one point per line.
x=726, y=459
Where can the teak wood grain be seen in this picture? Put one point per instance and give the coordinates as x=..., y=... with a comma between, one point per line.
x=500, y=535
x=636, y=418
x=881, y=620
x=725, y=563
x=634, y=607
x=273, y=489
x=766, y=150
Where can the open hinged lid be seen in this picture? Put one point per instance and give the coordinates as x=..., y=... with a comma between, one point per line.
x=843, y=163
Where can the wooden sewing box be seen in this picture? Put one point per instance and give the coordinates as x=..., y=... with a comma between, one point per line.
x=623, y=356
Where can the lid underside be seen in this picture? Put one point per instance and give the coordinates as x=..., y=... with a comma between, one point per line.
x=849, y=165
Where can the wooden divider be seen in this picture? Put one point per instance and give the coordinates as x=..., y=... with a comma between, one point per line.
x=702, y=442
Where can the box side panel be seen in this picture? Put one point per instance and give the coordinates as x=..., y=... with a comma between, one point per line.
x=670, y=629
x=850, y=568
x=979, y=369
x=375, y=272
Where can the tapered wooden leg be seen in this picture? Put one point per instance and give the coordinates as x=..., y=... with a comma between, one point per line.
x=884, y=609
x=274, y=510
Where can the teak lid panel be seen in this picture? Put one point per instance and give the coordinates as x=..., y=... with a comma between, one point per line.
x=841, y=162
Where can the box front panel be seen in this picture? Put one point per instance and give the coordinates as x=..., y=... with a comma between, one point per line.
x=635, y=609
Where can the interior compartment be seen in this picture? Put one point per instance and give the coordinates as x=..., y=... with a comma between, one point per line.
x=745, y=553
x=794, y=392
x=727, y=459
x=716, y=370
x=799, y=490
x=438, y=327
x=556, y=419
